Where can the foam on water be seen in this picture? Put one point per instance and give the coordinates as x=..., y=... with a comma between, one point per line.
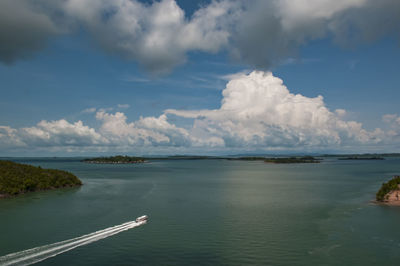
x=37, y=254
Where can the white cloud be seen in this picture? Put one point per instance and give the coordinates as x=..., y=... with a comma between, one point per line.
x=391, y=118
x=9, y=138
x=123, y=106
x=268, y=32
x=60, y=133
x=297, y=13
x=229, y=77
x=393, y=121
x=107, y=109
x=155, y=131
x=114, y=133
x=89, y=110
x=131, y=78
x=158, y=34
x=341, y=112
x=257, y=112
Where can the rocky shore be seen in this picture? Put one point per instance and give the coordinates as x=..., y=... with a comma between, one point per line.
x=392, y=198
x=389, y=193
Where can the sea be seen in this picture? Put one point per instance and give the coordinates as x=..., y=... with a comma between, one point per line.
x=206, y=212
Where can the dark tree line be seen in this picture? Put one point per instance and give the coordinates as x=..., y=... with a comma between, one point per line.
x=18, y=178
x=303, y=159
x=115, y=159
x=387, y=187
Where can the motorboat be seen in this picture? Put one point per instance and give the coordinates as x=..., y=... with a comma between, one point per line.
x=142, y=218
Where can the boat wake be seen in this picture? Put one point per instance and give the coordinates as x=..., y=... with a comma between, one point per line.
x=37, y=254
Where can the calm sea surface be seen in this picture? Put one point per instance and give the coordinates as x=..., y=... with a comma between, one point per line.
x=210, y=212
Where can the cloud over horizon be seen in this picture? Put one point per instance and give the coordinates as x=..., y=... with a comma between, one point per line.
x=257, y=110
x=159, y=35
x=257, y=113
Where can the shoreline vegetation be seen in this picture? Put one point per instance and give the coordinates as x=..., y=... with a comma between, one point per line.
x=281, y=160
x=303, y=159
x=119, y=159
x=362, y=158
x=16, y=179
x=389, y=193
x=270, y=158
x=362, y=155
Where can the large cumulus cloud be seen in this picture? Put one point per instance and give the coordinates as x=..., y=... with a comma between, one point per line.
x=257, y=110
x=257, y=113
x=159, y=35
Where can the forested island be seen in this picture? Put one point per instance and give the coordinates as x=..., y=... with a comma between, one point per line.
x=363, y=155
x=303, y=159
x=362, y=158
x=16, y=178
x=119, y=159
x=279, y=160
x=389, y=192
x=248, y=158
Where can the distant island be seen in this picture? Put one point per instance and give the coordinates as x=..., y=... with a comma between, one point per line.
x=248, y=158
x=279, y=160
x=362, y=158
x=16, y=178
x=287, y=160
x=363, y=155
x=119, y=159
x=389, y=193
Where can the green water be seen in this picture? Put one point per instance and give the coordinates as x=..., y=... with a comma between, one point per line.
x=212, y=213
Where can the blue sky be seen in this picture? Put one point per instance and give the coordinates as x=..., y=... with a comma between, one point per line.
x=80, y=74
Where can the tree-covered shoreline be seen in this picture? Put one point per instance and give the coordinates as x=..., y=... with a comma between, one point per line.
x=119, y=159
x=16, y=178
x=360, y=158
x=388, y=187
x=287, y=160
x=279, y=160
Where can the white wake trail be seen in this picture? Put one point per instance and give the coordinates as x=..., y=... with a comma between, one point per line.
x=37, y=254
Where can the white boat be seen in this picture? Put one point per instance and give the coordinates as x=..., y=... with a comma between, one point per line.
x=142, y=218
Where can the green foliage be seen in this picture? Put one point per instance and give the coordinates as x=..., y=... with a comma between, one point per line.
x=18, y=178
x=251, y=158
x=387, y=187
x=304, y=159
x=115, y=159
x=362, y=158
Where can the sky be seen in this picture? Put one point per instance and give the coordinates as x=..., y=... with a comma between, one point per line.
x=96, y=77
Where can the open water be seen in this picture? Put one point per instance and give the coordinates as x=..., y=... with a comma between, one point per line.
x=209, y=212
